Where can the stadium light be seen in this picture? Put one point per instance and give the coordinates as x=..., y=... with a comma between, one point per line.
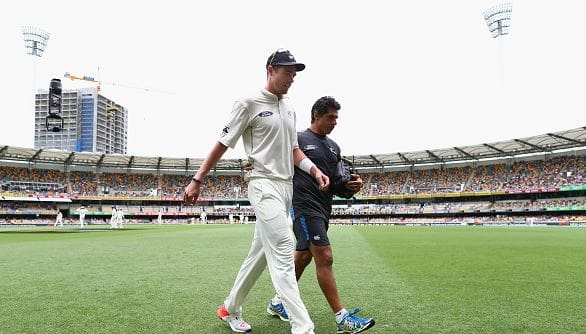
x=498, y=19
x=35, y=40
x=35, y=43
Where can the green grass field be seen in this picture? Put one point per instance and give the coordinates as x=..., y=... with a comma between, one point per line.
x=171, y=279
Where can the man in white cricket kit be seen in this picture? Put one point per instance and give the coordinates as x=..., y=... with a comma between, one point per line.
x=203, y=216
x=113, y=217
x=59, y=219
x=266, y=123
x=119, y=218
x=82, y=211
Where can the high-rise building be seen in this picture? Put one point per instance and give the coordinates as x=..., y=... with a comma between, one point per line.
x=91, y=123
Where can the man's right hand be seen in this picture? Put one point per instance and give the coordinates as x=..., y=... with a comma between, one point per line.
x=191, y=193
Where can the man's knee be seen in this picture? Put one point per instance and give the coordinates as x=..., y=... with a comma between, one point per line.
x=327, y=260
x=303, y=258
x=323, y=256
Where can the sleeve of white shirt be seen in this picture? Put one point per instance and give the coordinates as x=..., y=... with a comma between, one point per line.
x=294, y=132
x=237, y=123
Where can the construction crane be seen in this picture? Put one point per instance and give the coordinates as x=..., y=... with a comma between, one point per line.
x=84, y=78
x=110, y=110
x=99, y=83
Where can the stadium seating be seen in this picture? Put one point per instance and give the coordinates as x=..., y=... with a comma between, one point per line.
x=395, y=196
x=518, y=176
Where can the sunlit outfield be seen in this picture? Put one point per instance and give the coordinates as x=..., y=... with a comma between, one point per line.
x=171, y=279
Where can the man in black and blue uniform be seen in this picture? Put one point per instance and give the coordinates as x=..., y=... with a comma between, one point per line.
x=312, y=208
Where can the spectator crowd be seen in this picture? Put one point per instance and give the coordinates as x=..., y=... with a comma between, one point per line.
x=556, y=172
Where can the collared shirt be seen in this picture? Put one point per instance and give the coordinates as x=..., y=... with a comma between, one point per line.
x=267, y=127
x=308, y=199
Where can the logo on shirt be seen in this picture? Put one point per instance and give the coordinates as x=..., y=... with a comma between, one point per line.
x=309, y=148
x=225, y=131
x=316, y=237
x=265, y=114
x=333, y=150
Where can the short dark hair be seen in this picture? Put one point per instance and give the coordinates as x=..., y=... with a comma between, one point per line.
x=323, y=105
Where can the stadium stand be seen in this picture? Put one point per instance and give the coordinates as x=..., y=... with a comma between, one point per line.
x=505, y=181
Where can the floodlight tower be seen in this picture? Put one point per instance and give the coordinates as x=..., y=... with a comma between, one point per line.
x=498, y=19
x=35, y=40
x=35, y=43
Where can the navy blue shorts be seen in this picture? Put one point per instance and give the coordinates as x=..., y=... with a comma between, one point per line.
x=310, y=229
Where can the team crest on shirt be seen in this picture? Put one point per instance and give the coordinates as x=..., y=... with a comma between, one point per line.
x=333, y=150
x=265, y=114
x=225, y=131
x=309, y=147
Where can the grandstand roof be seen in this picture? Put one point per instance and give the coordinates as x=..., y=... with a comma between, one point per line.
x=546, y=143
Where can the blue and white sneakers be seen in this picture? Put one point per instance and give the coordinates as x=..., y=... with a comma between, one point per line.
x=352, y=324
x=277, y=310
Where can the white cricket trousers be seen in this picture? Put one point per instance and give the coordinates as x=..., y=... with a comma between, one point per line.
x=273, y=245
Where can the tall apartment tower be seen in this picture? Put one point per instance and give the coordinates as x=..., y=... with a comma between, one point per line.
x=91, y=123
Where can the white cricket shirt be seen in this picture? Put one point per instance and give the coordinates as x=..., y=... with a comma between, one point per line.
x=267, y=127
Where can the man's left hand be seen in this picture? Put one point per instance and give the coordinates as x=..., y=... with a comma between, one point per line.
x=322, y=180
x=355, y=184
